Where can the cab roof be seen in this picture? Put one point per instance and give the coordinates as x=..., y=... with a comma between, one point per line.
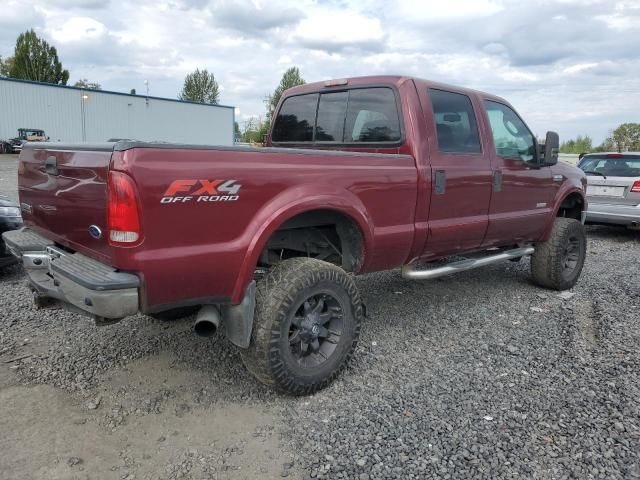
x=395, y=80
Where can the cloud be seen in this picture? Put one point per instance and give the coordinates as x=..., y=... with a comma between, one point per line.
x=568, y=65
x=15, y=18
x=79, y=29
x=254, y=18
x=436, y=10
x=333, y=31
x=579, y=67
x=80, y=4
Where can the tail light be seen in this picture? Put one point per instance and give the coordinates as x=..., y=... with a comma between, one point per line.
x=636, y=186
x=123, y=216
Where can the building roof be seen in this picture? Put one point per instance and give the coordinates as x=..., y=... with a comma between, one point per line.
x=110, y=92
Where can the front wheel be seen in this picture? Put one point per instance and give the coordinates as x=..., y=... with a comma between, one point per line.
x=306, y=326
x=557, y=263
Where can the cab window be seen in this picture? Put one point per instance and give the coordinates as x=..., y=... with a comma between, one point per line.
x=296, y=119
x=511, y=136
x=356, y=116
x=372, y=116
x=330, y=120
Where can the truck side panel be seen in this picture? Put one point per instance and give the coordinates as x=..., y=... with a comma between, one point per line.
x=202, y=231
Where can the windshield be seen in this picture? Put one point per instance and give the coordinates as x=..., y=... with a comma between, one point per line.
x=30, y=133
x=623, y=166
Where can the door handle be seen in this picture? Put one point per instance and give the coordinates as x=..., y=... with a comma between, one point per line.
x=441, y=182
x=51, y=165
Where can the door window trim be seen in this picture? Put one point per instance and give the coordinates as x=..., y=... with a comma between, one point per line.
x=392, y=144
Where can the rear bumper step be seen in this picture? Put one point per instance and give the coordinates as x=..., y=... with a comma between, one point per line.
x=87, y=285
x=410, y=272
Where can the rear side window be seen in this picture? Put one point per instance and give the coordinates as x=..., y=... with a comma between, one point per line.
x=456, y=125
x=366, y=115
x=296, y=119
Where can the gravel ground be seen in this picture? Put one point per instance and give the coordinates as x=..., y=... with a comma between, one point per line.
x=9, y=176
x=478, y=375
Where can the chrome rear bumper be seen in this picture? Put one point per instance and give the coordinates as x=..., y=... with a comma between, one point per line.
x=80, y=282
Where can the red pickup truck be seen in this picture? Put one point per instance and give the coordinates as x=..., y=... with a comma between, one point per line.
x=358, y=175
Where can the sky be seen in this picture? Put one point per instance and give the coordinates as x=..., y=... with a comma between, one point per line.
x=572, y=66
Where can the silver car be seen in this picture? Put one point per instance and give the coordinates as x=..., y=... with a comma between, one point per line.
x=613, y=189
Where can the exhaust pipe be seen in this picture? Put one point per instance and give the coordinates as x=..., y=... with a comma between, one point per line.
x=207, y=321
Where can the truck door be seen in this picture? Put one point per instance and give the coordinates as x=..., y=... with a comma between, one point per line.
x=461, y=174
x=522, y=194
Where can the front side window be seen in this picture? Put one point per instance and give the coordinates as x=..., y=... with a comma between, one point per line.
x=456, y=126
x=363, y=115
x=511, y=136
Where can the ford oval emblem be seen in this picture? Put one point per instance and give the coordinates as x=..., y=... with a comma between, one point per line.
x=95, y=231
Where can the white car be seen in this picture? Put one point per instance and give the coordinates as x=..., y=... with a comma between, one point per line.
x=613, y=190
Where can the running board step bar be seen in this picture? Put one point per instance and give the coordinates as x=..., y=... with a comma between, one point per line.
x=410, y=272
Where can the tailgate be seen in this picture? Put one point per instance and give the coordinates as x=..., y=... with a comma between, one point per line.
x=63, y=192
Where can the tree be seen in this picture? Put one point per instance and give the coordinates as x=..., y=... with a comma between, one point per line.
x=5, y=66
x=606, y=146
x=626, y=137
x=200, y=86
x=255, y=128
x=290, y=78
x=579, y=145
x=34, y=59
x=84, y=83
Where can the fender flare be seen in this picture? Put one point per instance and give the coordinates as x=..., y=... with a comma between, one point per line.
x=562, y=194
x=288, y=204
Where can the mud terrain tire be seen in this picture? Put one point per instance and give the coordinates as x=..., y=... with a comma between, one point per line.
x=306, y=326
x=557, y=263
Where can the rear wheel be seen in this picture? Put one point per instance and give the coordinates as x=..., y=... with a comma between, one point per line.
x=557, y=263
x=306, y=326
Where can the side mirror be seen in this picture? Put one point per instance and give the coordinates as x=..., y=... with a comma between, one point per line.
x=551, y=149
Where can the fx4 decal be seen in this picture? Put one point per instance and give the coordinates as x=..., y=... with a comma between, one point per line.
x=183, y=191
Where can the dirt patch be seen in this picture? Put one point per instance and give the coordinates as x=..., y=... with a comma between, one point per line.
x=143, y=422
x=585, y=316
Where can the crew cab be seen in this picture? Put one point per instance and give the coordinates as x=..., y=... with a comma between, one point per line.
x=358, y=175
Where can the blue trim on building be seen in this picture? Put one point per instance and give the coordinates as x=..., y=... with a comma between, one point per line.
x=7, y=79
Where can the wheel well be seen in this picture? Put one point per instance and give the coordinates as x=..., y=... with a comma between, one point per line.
x=322, y=234
x=571, y=206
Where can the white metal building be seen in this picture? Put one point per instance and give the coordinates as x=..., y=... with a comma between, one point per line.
x=71, y=114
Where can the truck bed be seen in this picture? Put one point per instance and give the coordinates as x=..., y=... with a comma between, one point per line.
x=209, y=240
